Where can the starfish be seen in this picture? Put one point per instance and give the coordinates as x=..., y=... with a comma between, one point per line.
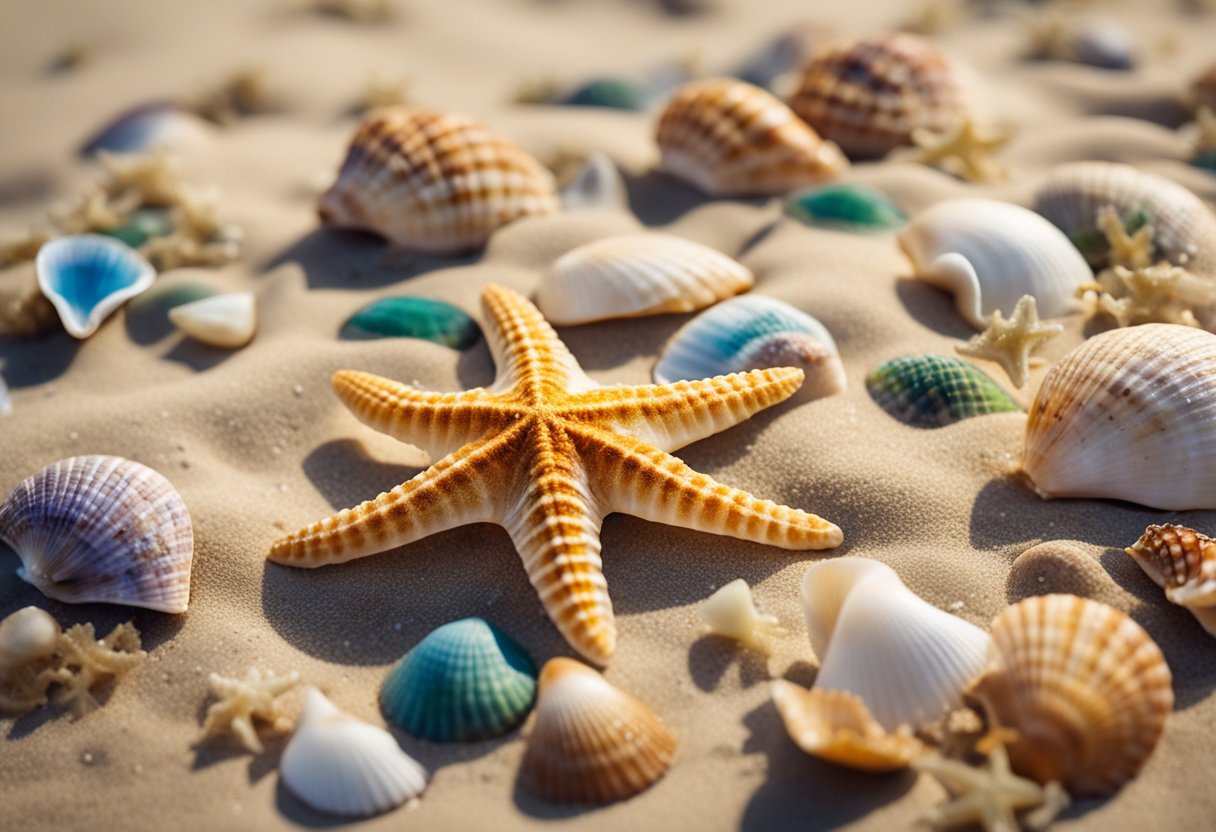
x=965, y=151
x=1163, y=293
x=1010, y=342
x=548, y=453
x=84, y=661
x=1134, y=251
x=241, y=700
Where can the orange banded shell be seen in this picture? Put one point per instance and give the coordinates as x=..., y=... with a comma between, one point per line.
x=1183, y=563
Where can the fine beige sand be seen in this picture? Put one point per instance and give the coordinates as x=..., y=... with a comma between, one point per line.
x=257, y=443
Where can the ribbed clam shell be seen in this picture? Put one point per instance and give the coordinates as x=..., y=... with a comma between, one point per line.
x=1129, y=415
x=1184, y=229
x=104, y=529
x=148, y=127
x=465, y=681
x=226, y=321
x=436, y=182
x=868, y=96
x=731, y=612
x=730, y=138
x=1084, y=687
x=590, y=742
x=928, y=391
x=27, y=635
x=86, y=277
x=343, y=766
x=637, y=274
x=753, y=332
x=903, y=657
x=989, y=254
x=1181, y=561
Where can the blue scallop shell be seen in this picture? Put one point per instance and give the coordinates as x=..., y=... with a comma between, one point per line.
x=88, y=276
x=465, y=681
x=928, y=391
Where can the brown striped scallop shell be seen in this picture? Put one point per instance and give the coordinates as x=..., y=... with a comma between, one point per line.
x=1183, y=563
x=435, y=182
x=730, y=138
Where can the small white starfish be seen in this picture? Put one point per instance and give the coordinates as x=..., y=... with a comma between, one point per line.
x=1134, y=251
x=243, y=700
x=1011, y=342
x=965, y=151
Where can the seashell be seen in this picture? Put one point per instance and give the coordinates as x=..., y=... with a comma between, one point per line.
x=142, y=225
x=597, y=186
x=590, y=742
x=147, y=127
x=928, y=391
x=101, y=529
x=846, y=206
x=434, y=182
x=990, y=254
x=1183, y=563
x=904, y=658
x=225, y=321
x=411, y=317
x=86, y=277
x=836, y=726
x=1184, y=229
x=731, y=612
x=1104, y=44
x=1128, y=415
x=465, y=681
x=343, y=766
x=753, y=332
x=26, y=636
x=1203, y=89
x=610, y=93
x=868, y=96
x=6, y=402
x=1084, y=687
x=637, y=274
x=730, y=138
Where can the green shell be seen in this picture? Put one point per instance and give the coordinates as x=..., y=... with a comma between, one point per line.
x=846, y=207
x=142, y=225
x=465, y=681
x=928, y=391
x=409, y=317
x=1205, y=160
x=613, y=93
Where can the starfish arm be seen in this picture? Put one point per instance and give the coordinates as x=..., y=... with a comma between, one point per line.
x=531, y=359
x=639, y=479
x=670, y=416
x=463, y=487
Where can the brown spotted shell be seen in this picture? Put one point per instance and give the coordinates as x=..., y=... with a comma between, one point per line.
x=869, y=95
x=730, y=138
x=1183, y=563
x=1203, y=89
x=435, y=182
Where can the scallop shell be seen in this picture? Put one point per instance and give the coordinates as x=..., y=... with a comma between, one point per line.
x=990, y=254
x=1084, y=687
x=27, y=635
x=903, y=657
x=836, y=726
x=146, y=128
x=1128, y=415
x=434, y=182
x=226, y=321
x=1183, y=563
x=731, y=612
x=1184, y=229
x=88, y=276
x=869, y=95
x=101, y=529
x=753, y=332
x=637, y=274
x=928, y=391
x=343, y=766
x=465, y=681
x=590, y=742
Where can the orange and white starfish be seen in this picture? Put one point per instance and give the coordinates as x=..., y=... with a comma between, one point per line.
x=548, y=453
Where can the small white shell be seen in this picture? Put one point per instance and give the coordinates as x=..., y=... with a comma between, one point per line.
x=598, y=186
x=637, y=274
x=88, y=276
x=148, y=127
x=27, y=635
x=225, y=321
x=731, y=612
x=990, y=254
x=6, y=402
x=343, y=766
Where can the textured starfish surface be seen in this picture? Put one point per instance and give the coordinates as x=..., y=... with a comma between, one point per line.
x=547, y=453
x=1010, y=342
x=1133, y=251
x=965, y=151
x=239, y=701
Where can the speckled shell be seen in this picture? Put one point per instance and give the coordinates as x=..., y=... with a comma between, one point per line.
x=1128, y=415
x=637, y=274
x=88, y=276
x=590, y=742
x=1181, y=561
x=1084, y=687
x=869, y=95
x=730, y=138
x=434, y=182
x=1203, y=89
x=928, y=391
x=102, y=529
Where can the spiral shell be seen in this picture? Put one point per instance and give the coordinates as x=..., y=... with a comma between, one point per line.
x=927, y=391
x=1181, y=561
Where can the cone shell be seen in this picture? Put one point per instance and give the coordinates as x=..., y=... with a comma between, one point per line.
x=638, y=274
x=590, y=742
x=88, y=276
x=1084, y=687
x=342, y=766
x=1128, y=415
x=225, y=321
x=1183, y=563
x=435, y=182
x=102, y=529
x=730, y=138
x=868, y=96
x=927, y=391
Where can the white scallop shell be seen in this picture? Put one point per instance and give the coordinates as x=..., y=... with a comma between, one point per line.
x=598, y=186
x=637, y=274
x=102, y=529
x=226, y=321
x=27, y=635
x=731, y=612
x=990, y=253
x=88, y=276
x=343, y=766
x=903, y=657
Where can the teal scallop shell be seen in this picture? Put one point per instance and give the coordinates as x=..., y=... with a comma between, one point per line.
x=846, y=207
x=411, y=317
x=465, y=681
x=928, y=391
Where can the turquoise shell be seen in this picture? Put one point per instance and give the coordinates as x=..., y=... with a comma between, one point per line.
x=465, y=681
x=87, y=277
x=845, y=207
x=613, y=93
x=142, y=225
x=409, y=317
x=1205, y=160
x=928, y=391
